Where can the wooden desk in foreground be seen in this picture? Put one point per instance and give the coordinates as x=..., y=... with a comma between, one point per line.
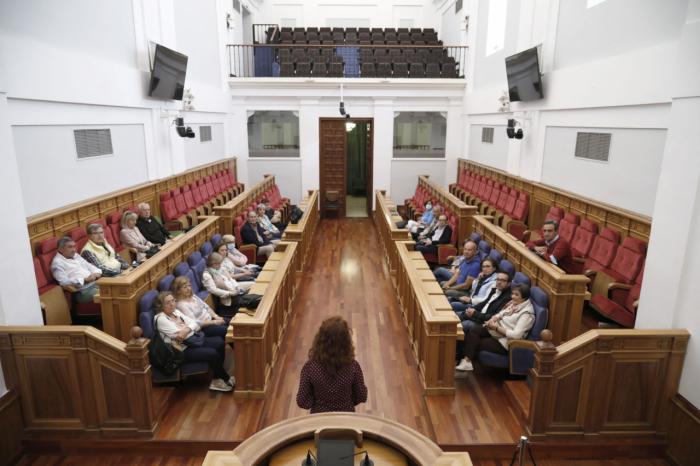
x=119, y=296
x=303, y=231
x=385, y=218
x=430, y=321
x=566, y=292
x=257, y=337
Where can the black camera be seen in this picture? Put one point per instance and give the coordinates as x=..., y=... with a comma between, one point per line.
x=182, y=130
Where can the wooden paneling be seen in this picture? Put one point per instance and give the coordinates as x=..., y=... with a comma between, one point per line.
x=543, y=196
x=119, y=296
x=303, y=231
x=10, y=427
x=228, y=212
x=566, y=292
x=385, y=218
x=430, y=321
x=332, y=165
x=257, y=338
x=607, y=383
x=56, y=222
x=684, y=432
x=79, y=379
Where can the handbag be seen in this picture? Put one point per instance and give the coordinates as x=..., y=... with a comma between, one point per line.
x=152, y=252
x=249, y=300
x=195, y=340
x=163, y=355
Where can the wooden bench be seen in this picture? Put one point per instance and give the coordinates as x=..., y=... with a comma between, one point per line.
x=228, y=212
x=385, y=218
x=464, y=213
x=303, y=231
x=119, y=296
x=429, y=319
x=567, y=292
x=257, y=337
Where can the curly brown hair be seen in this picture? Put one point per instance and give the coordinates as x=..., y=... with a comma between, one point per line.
x=332, y=347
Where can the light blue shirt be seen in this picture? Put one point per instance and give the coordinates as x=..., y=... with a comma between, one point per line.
x=484, y=291
x=427, y=217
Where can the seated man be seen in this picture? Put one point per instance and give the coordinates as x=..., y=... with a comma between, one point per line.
x=149, y=227
x=271, y=231
x=100, y=253
x=498, y=297
x=443, y=274
x=74, y=273
x=253, y=233
x=552, y=247
x=428, y=230
x=461, y=283
x=441, y=235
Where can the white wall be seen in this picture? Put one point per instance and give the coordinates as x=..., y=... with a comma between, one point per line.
x=404, y=176
x=198, y=152
x=493, y=154
x=287, y=175
x=635, y=157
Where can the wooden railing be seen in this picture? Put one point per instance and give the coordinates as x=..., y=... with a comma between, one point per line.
x=429, y=318
x=606, y=383
x=543, y=196
x=119, y=296
x=257, y=338
x=463, y=212
x=57, y=222
x=385, y=218
x=228, y=212
x=566, y=292
x=303, y=231
x=79, y=379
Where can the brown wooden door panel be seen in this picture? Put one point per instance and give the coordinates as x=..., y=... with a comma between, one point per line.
x=332, y=168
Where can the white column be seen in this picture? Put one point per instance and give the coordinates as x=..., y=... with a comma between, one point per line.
x=456, y=127
x=19, y=300
x=669, y=298
x=309, y=115
x=383, y=144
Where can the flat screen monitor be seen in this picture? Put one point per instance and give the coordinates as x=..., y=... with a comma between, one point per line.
x=524, y=79
x=332, y=452
x=168, y=74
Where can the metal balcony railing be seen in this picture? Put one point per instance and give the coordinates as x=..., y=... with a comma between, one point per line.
x=345, y=61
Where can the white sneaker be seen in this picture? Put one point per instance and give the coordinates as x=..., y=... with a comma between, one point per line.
x=465, y=365
x=231, y=381
x=220, y=386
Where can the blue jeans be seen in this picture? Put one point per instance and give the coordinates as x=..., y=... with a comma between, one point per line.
x=442, y=274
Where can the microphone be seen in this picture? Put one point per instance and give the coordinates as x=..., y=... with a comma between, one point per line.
x=365, y=461
x=309, y=461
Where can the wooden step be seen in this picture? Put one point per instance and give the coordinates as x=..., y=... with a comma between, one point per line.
x=518, y=393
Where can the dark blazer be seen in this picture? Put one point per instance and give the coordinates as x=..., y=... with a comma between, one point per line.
x=250, y=237
x=445, y=238
x=493, y=308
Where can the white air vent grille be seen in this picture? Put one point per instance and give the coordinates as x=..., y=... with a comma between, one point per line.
x=593, y=146
x=487, y=135
x=93, y=142
x=205, y=133
x=458, y=6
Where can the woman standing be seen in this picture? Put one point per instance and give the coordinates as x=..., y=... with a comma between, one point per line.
x=332, y=380
x=178, y=329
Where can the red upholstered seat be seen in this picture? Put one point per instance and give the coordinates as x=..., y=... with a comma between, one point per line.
x=196, y=195
x=603, y=250
x=210, y=187
x=583, y=238
x=109, y=237
x=201, y=185
x=167, y=208
x=522, y=206
x=179, y=200
x=502, y=199
x=625, y=313
x=568, y=225
x=78, y=235
x=187, y=194
x=44, y=283
x=555, y=213
x=628, y=260
x=45, y=250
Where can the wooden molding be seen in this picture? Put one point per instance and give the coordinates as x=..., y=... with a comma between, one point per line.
x=385, y=218
x=303, y=231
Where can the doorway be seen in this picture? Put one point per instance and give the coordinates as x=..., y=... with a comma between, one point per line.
x=345, y=165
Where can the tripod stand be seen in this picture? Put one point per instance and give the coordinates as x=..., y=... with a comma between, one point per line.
x=520, y=452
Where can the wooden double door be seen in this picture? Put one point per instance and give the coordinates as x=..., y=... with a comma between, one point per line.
x=333, y=165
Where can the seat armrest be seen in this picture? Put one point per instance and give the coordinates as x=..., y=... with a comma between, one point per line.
x=444, y=252
x=619, y=286
x=590, y=273
x=521, y=356
x=579, y=260
x=250, y=251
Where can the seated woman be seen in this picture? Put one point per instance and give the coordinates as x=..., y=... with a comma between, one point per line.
x=241, y=274
x=331, y=380
x=481, y=287
x=511, y=323
x=237, y=257
x=441, y=235
x=221, y=285
x=177, y=328
x=425, y=219
x=193, y=307
x=132, y=238
x=272, y=232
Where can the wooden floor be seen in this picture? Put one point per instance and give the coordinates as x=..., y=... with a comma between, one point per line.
x=346, y=276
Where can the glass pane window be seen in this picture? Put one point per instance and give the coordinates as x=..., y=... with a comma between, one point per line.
x=273, y=134
x=419, y=134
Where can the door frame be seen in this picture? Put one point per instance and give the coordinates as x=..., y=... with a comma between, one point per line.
x=369, y=162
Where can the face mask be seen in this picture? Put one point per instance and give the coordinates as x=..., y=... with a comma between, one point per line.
x=428, y=207
x=231, y=246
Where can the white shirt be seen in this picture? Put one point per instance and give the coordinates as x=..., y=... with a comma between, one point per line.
x=170, y=326
x=438, y=233
x=73, y=271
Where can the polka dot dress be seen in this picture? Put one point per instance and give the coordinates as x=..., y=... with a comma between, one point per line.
x=321, y=391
